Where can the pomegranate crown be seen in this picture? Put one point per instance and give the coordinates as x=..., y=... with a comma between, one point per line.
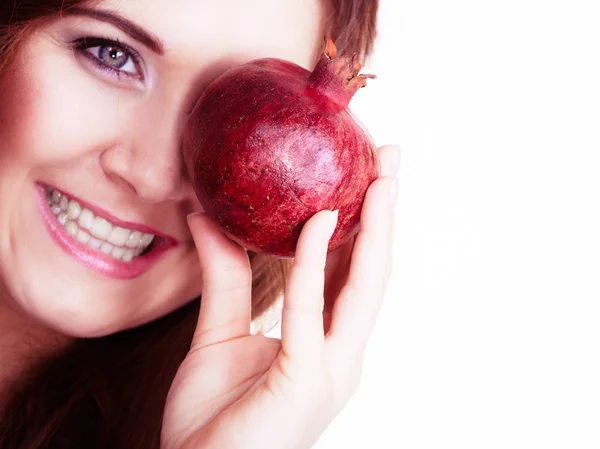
x=338, y=77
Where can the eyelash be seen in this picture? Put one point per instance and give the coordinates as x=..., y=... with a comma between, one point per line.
x=85, y=43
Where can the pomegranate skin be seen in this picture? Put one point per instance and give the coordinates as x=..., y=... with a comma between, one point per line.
x=269, y=144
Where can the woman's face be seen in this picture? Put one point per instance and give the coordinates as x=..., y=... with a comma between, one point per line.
x=91, y=170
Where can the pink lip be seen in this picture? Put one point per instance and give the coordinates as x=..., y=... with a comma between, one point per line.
x=97, y=260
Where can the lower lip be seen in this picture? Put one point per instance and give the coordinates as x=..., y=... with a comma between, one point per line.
x=100, y=262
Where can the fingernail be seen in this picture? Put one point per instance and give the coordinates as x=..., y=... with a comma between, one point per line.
x=396, y=164
x=333, y=218
x=388, y=161
x=394, y=193
x=191, y=215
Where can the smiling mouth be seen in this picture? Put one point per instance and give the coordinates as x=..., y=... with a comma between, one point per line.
x=97, y=232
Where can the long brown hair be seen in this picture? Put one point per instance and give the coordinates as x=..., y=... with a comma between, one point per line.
x=109, y=392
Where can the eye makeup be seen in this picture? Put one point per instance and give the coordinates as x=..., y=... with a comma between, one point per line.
x=96, y=48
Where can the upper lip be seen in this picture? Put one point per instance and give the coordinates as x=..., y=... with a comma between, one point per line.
x=114, y=220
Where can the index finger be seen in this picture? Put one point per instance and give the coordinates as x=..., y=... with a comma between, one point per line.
x=338, y=261
x=356, y=307
x=302, y=320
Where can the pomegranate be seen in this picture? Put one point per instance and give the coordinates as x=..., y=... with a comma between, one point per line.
x=269, y=144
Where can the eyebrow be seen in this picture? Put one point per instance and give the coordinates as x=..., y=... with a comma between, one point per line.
x=135, y=31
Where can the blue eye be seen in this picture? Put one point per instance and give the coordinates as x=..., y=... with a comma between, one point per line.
x=111, y=56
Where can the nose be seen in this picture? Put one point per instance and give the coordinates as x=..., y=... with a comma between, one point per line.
x=146, y=157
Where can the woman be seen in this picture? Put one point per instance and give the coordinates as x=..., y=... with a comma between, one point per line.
x=100, y=336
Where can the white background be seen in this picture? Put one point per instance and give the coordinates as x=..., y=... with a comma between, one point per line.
x=490, y=334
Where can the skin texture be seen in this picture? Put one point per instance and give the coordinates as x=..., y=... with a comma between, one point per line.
x=116, y=143
x=269, y=145
x=282, y=394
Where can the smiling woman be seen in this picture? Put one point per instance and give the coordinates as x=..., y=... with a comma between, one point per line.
x=100, y=271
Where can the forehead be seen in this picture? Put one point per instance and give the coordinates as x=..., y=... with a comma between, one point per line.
x=290, y=29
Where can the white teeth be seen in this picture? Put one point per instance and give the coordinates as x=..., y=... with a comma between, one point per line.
x=106, y=248
x=134, y=239
x=82, y=236
x=71, y=228
x=100, y=228
x=86, y=219
x=73, y=210
x=97, y=232
x=94, y=243
x=118, y=236
x=117, y=252
x=146, y=239
x=62, y=218
x=128, y=255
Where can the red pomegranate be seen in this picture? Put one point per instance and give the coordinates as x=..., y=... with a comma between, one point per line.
x=269, y=144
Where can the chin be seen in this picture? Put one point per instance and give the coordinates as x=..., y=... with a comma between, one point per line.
x=83, y=314
x=69, y=318
x=73, y=313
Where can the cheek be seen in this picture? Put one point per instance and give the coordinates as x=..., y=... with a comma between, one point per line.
x=54, y=110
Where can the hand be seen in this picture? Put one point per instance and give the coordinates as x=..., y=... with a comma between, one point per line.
x=236, y=390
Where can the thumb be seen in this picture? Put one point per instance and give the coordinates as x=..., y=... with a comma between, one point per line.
x=226, y=302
